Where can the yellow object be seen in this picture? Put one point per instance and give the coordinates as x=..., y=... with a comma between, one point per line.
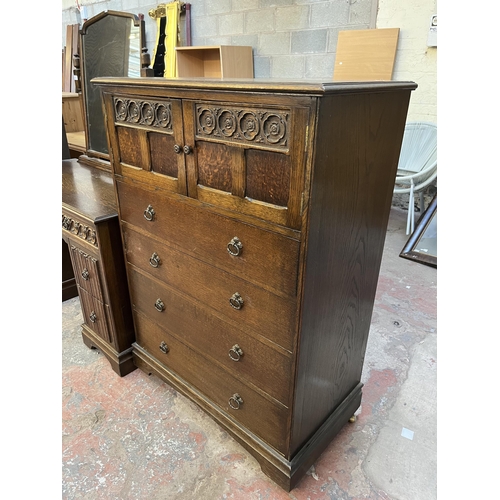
x=172, y=12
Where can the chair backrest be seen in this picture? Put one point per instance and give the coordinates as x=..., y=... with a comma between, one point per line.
x=419, y=148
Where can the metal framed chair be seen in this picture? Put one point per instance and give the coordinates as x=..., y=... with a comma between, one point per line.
x=417, y=167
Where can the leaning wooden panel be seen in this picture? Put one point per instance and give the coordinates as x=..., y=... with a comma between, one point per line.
x=365, y=55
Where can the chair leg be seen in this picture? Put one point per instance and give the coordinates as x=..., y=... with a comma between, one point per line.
x=422, y=203
x=410, y=223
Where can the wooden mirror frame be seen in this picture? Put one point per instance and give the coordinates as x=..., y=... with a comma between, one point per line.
x=94, y=156
x=410, y=249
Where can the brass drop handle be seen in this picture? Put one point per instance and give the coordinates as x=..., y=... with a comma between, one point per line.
x=188, y=150
x=85, y=274
x=235, y=353
x=177, y=149
x=93, y=317
x=236, y=301
x=164, y=348
x=234, y=247
x=154, y=260
x=235, y=401
x=159, y=305
x=149, y=213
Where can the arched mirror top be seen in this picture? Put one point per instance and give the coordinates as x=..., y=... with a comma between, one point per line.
x=110, y=45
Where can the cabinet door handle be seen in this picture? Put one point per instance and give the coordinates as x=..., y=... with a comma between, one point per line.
x=235, y=352
x=234, y=247
x=177, y=149
x=149, y=213
x=235, y=401
x=93, y=317
x=188, y=150
x=164, y=348
x=85, y=275
x=159, y=305
x=154, y=260
x=236, y=301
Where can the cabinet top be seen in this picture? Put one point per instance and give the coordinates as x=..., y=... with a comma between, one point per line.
x=314, y=87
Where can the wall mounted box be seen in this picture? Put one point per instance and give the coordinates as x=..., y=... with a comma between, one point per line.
x=222, y=61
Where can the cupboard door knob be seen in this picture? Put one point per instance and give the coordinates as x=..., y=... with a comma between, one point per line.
x=236, y=301
x=159, y=305
x=85, y=275
x=177, y=149
x=149, y=213
x=188, y=150
x=93, y=317
x=164, y=347
x=234, y=247
x=154, y=260
x=235, y=352
x=235, y=401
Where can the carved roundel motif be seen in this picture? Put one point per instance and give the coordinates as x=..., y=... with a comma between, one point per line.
x=147, y=113
x=134, y=114
x=227, y=123
x=249, y=125
x=163, y=115
x=274, y=128
x=207, y=121
x=121, y=110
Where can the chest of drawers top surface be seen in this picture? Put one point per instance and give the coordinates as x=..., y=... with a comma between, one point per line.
x=88, y=191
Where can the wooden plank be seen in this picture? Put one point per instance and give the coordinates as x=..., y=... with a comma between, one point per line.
x=67, y=61
x=365, y=55
x=76, y=50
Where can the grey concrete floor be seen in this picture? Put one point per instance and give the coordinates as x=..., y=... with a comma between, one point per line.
x=136, y=438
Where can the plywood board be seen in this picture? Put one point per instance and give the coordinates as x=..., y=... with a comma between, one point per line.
x=365, y=55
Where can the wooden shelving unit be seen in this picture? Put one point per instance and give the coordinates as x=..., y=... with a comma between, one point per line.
x=221, y=61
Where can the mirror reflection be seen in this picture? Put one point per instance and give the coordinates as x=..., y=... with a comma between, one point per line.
x=110, y=46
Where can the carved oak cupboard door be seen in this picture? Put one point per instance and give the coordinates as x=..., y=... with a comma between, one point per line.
x=149, y=141
x=246, y=159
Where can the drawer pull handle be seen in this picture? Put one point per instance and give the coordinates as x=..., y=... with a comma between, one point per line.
x=235, y=352
x=154, y=260
x=159, y=305
x=235, y=401
x=93, y=317
x=164, y=347
x=236, y=301
x=149, y=213
x=188, y=150
x=177, y=149
x=234, y=247
x=85, y=275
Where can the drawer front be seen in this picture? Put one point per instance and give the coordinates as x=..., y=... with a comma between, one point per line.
x=266, y=419
x=95, y=315
x=268, y=314
x=86, y=269
x=262, y=257
x=241, y=354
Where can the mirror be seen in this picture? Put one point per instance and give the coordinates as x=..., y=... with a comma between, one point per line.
x=110, y=45
x=422, y=244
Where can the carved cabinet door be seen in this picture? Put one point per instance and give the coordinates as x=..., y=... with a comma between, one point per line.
x=148, y=145
x=246, y=158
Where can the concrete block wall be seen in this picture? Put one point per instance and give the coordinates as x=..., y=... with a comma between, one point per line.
x=290, y=38
x=297, y=38
x=415, y=61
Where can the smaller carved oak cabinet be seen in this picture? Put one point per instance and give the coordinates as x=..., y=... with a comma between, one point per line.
x=253, y=216
x=90, y=228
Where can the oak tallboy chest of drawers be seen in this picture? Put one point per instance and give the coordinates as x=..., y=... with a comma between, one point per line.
x=253, y=216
